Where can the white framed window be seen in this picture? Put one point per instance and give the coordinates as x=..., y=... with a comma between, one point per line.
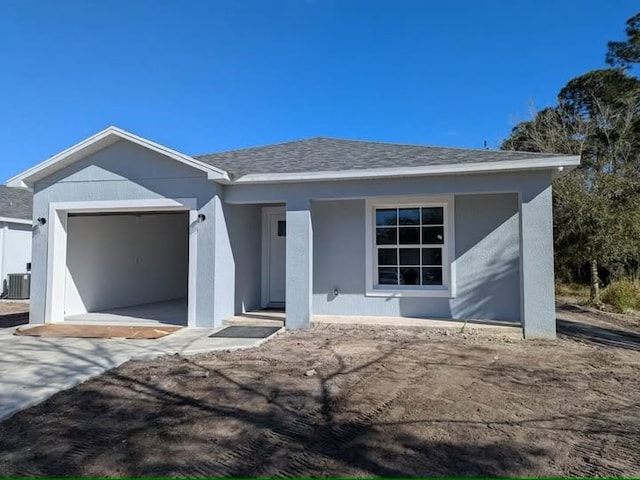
x=410, y=246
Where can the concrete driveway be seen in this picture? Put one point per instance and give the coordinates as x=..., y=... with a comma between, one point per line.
x=32, y=368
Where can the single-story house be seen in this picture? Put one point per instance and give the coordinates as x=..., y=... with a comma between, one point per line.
x=320, y=226
x=15, y=233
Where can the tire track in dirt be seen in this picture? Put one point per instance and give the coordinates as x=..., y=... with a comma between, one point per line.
x=81, y=450
x=244, y=460
x=249, y=459
x=598, y=458
x=328, y=440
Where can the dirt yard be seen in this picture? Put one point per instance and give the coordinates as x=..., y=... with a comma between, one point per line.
x=353, y=401
x=13, y=313
x=13, y=306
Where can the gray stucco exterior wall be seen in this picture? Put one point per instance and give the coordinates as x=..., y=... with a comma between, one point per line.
x=538, y=282
x=503, y=239
x=124, y=171
x=489, y=270
x=486, y=252
x=245, y=229
x=299, y=264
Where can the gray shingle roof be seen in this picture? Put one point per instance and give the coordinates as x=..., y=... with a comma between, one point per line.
x=331, y=154
x=16, y=202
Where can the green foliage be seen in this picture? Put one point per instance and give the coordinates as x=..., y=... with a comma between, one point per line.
x=570, y=289
x=624, y=54
x=596, y=206
x=623, y=295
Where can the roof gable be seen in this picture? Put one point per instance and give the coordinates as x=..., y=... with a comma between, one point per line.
x=102, y=140
x=314, y=159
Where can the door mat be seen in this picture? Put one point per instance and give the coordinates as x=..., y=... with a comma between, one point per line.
x=97, y=331
x=238, y=331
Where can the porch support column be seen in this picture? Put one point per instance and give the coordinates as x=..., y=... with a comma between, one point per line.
x=299, y=264
x=537, y=289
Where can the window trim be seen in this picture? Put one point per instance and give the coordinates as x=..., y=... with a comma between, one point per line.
x=448, y=288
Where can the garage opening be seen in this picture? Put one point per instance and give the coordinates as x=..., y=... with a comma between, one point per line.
x=127, y=267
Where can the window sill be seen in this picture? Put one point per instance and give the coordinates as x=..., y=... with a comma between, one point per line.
x=392, y=293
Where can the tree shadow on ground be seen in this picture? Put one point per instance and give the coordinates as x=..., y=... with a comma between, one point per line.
x=191, y=419
x=598, y=335
x=120, y=424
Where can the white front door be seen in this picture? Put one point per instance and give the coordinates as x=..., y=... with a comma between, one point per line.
x=274, y=219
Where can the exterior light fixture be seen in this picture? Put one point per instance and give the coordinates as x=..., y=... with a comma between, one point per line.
x=42, y=220
x=201, y=217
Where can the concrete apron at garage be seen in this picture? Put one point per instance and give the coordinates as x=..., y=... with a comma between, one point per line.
x=33, y=368
x=169, y=312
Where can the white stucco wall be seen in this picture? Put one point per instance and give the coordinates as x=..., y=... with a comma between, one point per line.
x=15, y=250
x=122, y=260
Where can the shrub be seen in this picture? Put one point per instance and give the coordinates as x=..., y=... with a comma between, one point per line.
x=578, y=290
x=622, y=295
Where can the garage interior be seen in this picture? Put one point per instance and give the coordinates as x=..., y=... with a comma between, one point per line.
x=127, y=268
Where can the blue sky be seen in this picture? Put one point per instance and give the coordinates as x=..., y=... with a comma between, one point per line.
x=203, y=76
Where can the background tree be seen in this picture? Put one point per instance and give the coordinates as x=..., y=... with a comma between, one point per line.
x=597, y=206
x=625, y=54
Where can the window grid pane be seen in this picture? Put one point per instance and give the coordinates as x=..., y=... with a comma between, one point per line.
x=431, y=256
x=387, y=256
x=409, y=276
x=386, y=216
x=387, y=236
x=432, y=276
x=433, y=216
x=388, y=275
x=409, y=245
x=409, y=256
x=409, y=216
x=409, y=236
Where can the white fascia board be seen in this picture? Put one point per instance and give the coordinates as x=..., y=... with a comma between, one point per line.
x=564, y=163
x=142, y=205
x=21, y=221
x=101, y=140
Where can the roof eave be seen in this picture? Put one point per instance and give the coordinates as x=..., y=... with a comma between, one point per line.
x=21, y=221
x=102, y=140
x=558, y=165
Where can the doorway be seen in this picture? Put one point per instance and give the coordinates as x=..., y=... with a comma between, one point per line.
x=274, y=248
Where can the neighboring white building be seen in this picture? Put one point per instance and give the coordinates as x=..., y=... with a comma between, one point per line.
x=15, y=232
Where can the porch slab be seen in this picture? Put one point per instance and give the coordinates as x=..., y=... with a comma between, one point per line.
x=259, y=318
x=505, y=327
x=267, y=318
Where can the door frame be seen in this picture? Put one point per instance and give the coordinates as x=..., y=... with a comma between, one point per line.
x=57, y=245
x=267, y=212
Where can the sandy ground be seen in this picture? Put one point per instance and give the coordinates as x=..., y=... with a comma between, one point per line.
x=13, y=313
x=13, y=306
x=353, y=401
